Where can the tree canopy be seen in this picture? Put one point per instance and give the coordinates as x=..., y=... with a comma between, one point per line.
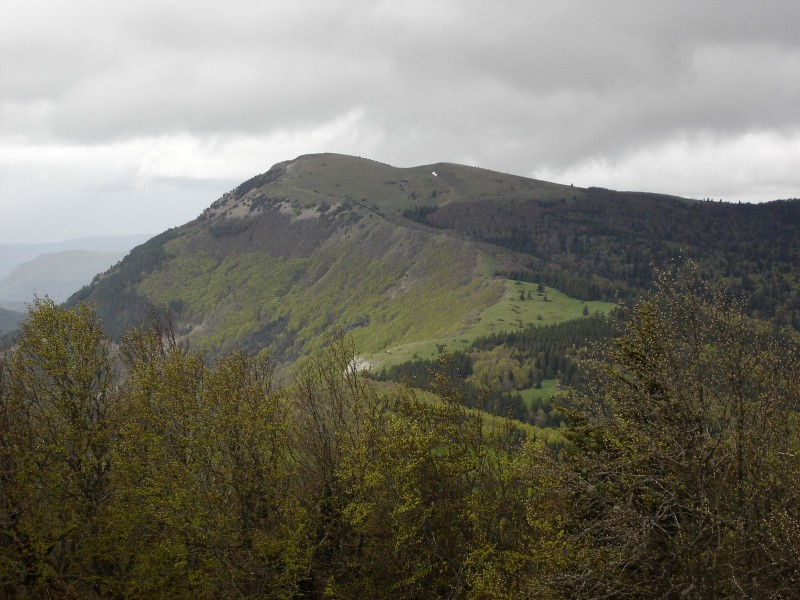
x=144, y=470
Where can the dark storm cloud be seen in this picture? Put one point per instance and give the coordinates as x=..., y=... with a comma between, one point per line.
x=217, y=91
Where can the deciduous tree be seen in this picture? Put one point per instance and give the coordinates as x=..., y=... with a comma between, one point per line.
x=682, y=473
x=58, y=403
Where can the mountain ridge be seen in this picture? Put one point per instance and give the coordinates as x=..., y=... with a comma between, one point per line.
x=397, y=255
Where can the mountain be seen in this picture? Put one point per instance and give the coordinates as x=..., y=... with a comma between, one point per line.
x=407, y=259
x=57, y=275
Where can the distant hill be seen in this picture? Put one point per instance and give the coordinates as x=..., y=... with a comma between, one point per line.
x=13, y=255
x=57, y=275
x=403, y=258
x=9, y=320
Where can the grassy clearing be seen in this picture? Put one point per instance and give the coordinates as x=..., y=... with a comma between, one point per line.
x=509, y=313
x=490, y=422
x=547, y=390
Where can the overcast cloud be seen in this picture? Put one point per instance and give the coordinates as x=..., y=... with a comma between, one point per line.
x=132, y=117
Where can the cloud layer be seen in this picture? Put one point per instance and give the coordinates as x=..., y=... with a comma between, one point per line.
x=133, y=116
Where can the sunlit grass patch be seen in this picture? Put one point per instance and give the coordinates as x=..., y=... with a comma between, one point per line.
x=522, y=304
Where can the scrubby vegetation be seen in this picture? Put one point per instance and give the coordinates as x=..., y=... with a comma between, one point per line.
x=146, y=471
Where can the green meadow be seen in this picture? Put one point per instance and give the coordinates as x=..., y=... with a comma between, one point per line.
x=522, y=304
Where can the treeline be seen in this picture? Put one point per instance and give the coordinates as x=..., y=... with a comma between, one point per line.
x=583, y=288
x=553, y=348
x=489, y=373
x=605, y=242
x=424, y=374
x=121, y=306
x=145, y=472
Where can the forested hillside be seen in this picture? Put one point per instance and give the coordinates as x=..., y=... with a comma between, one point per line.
x=511, y=275
x=425, y=255
x=492, y=372
x=312, y=244
x=147, y=472
x=601, y=242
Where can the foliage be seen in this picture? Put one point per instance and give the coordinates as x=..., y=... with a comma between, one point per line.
x=683, y=466
x=204, y=476
x=150, y=472
x=434, y=501
x=58, y=403
x=498, y=372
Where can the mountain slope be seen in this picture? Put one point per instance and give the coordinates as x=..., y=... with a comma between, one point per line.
x=604, y=241
x=309, y=245
x=351, y=270
x=397, y=256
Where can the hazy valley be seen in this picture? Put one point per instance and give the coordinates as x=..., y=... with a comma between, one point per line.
x=56, y=270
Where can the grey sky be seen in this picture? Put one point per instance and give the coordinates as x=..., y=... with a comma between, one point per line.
x=133, y=116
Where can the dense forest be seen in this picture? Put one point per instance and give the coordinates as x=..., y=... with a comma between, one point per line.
x=140, y=470
x=604, y=243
